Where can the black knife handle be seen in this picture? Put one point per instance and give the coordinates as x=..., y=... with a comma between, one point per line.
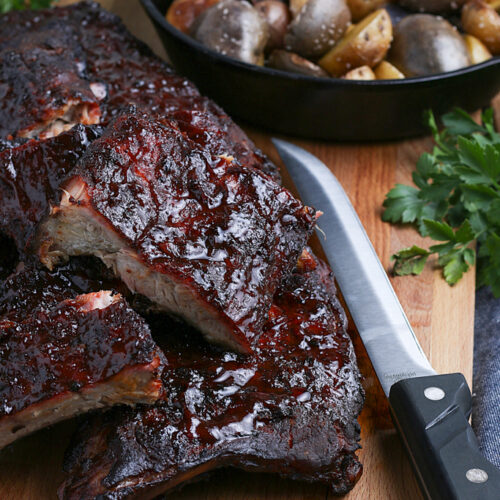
x=431, y=414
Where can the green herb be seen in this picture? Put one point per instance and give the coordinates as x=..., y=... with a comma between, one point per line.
x=6, y=5
x=455, y=201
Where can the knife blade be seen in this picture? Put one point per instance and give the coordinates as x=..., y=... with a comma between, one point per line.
x=430, y=411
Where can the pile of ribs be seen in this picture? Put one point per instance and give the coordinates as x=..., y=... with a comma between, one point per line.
x=155, y=277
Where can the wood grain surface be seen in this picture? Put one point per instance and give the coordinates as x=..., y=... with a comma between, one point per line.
x=442, y=317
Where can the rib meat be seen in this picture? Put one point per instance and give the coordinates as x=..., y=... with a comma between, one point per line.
x=30, y=175
x=201, y=236
x=44, y=89
x=131, y=74
x=290, y=408
x=61, y=356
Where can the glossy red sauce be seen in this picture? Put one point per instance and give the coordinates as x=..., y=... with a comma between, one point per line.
x=290, y=408
x=227, y=231
x=51, y=344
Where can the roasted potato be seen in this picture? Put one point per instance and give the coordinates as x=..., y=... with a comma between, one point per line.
x=361, y=8
x=183, y=13
x=386, y=71
x=233, y=28
x=482, y=21
x=288, y=61
x=317, y=26
x=296, y=6
x=277, y=17
x=361, y=73
x=425, y=44
x=432, y=6
x=478, y=52
x=366, y=44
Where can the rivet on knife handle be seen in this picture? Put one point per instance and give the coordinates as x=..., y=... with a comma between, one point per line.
x=431, y=414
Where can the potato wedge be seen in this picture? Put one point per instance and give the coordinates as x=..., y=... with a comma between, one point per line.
x=316, y=28
x=478, y=52
x=425, y=44
x=386, y=71
x=183, y=13
x=366, y=44
x=482, y=21
x=361, y=73
x=361, y=8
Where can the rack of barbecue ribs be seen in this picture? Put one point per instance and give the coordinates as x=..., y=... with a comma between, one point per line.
x=289, y=408
x=69, y=354
x=201, y=236
x=151, y=261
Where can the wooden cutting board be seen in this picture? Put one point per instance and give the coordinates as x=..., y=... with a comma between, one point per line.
x=441, y=316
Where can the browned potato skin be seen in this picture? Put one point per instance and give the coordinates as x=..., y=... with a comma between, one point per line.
x=277, y=17
x=478, y=52
x=386, y=71
x=317, y=26
x=233, y=28
x=482, y=21
x=365, y=44
x=432, y=6
x=288, y=61
x=361, y=8
x=361, y=73
x=182, y=13
x=425, y=44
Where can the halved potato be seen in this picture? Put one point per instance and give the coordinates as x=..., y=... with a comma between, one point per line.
x=277, y=17
x=361, y=8
x=361, y=73
x=183, y=13
x=482, y=21
x=288, y=61
x=432, y=6
x=235, y=29
x=317, y=26
x=386, y=71
x=366, y=44
x=425, y=44
x=478, y=52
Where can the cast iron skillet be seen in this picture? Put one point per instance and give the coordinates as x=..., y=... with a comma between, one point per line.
x=323, y=108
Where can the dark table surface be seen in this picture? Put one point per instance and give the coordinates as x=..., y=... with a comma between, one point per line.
x=486, y=382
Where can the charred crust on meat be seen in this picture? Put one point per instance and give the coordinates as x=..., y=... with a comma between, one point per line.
x=68, y=354
x=290, y=408
x=202, y=236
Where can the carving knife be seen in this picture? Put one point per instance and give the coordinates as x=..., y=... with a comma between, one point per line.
x=430, y=411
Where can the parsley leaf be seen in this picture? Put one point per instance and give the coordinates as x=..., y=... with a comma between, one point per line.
x=410, y=260
x=6, y=5
x=455, y=201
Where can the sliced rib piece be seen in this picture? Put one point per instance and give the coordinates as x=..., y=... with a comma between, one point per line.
x=132, y=74
x=201, y=236
x=290, y=408
x=60, y=358
x=44, y=88
x=30, y=175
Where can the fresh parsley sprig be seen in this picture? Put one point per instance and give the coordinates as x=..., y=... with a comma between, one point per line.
x=455, y=201
x=6, y=5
